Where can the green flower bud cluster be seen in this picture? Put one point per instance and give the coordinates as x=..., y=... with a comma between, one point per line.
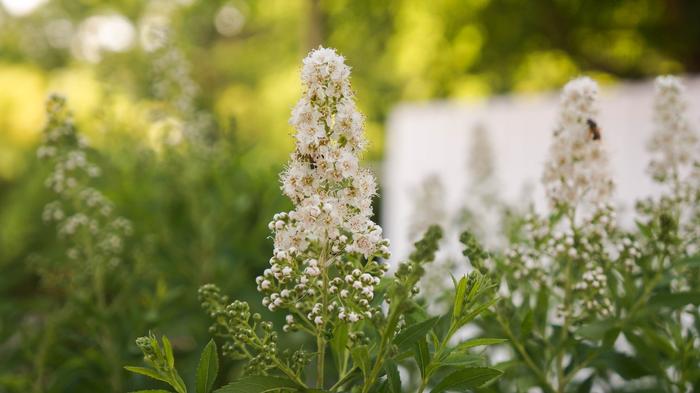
x=473, y=250
x=256, y=342
x=155, y=354
x=409, y=273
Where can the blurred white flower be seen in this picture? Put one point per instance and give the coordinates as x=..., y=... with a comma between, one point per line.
x=673, y=143
x=576, y=173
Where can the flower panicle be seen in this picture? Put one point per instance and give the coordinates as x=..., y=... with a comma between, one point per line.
x=576, y=173
x=324, y=265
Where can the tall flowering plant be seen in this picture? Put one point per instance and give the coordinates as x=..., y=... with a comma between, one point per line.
x=327, y=275
x=587, y=304
x=91, y=237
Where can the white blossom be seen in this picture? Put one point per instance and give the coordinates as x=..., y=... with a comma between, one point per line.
x=673, y=142
x=576, y=173
x=331, y=221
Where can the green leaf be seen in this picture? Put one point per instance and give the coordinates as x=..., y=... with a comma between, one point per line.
x=338, y=345
x=467, y=378
x=691, y=261
x=259, y=384
x=407, y=337
x=595, y=330
x=476, y=311
x=625, y=365
x=360, y=356
x=392, y=376
x=147, y=372
x=541, y=308
x=527, y=324
x=585, y=386
x=151, y=391
x=168, y=352
x=460, y=291
x=208, y=368
x=462, y=359
x=675, y=300
x=479, y=341
x=422, y=355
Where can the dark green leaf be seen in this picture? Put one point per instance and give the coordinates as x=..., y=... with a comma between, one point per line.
x=360, y=356
x=467, y=378
x=527, y=324
x=338, y=345
x=625, y=365
x=392, y=375
x=675, y=300
x=151, y=391
x=259, y=384
x=542, y=307
x=422, y=355
x=411, y=334
x=585, y=386
x=208, y=368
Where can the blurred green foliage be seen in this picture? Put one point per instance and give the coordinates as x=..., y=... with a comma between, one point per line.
x=200, y=213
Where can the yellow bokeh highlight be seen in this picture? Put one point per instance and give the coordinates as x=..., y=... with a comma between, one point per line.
x=21, y=104
x=543, y=70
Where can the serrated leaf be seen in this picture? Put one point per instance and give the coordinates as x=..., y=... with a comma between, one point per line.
x=168, y=349
x=407, y=337
x=147, y=372
x=422, y=355
x=675, y=300
x=259, y=384
x=467, y=378
x=208, y=368
x=479, y=341
x=392, y=375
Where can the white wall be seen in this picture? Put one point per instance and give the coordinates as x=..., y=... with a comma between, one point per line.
x=433, y=137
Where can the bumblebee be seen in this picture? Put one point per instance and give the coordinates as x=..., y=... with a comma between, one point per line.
x=593, y=129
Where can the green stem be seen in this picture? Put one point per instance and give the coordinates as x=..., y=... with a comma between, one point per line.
x=561, y=380
x=429, y=370
x=392, y=321
x=321, y=331
x=526, y=357
x=344, y=379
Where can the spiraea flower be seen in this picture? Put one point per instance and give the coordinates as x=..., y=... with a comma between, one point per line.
x=85, y=218
x=576, y=173
x=673, y=142
x=324, y=266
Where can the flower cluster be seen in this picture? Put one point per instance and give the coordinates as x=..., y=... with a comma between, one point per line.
x=324, y=264
x=673, y=142
x=85, y=218
x=172, y=84
x=577, y=173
